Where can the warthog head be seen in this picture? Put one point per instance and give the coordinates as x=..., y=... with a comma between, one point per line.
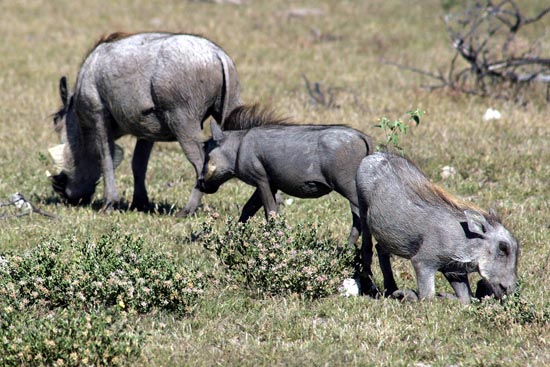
x=496, y=252
x=219, y=162
x=76, y=157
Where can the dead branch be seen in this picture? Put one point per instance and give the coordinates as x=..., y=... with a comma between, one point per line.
x=488, y=51
x=23, y=206
x=319, y=97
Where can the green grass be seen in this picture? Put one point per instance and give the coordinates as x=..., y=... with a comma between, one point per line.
x=503, y=163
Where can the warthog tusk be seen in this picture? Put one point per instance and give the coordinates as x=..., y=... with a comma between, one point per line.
x=56, y=152
x=210, y=171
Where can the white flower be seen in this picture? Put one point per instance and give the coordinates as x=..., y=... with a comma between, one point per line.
x=288, y=201
x=491, y=114
x=350, y=287
x=448, y=171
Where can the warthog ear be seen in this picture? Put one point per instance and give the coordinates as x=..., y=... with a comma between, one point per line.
x=63, y=91
x=118, y=155
x=56, y=153
x=476, y=222
x=217, y=133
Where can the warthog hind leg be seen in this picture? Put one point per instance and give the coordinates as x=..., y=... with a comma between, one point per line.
x=140, y=161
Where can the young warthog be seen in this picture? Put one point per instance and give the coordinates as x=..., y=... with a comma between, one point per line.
x=154, y=86
x=415, y=219
x=306, y=161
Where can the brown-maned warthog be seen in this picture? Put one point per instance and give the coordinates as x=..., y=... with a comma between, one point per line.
x=306, y=161
x=154, y=86
x=415, y=219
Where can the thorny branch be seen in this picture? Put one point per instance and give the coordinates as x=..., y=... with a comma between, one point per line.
x=489, y=54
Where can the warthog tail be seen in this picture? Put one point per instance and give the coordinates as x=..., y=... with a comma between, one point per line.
x=226, y=87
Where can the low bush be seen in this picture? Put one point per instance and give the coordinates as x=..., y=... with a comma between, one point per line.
x=66, y=337
x=114, y=271
x=273, y=257
x=67, y=303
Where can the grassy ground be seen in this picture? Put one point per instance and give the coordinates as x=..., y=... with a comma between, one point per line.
x=502, y=163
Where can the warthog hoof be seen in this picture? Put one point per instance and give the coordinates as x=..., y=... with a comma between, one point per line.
x=186, y=212
x=446, y=295
x=405, y=295
x=109, y=206
x=367, y=286
x=140, y=206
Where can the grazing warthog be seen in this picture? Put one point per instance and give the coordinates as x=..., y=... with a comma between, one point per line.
x=154, y=86
x=306, y=161
x=415, y=219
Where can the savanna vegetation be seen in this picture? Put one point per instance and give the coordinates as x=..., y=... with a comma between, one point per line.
x=151, y=289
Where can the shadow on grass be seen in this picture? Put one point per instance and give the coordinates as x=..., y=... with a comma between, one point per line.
x=154, y=208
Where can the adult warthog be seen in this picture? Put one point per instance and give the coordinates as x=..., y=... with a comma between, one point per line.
x=154, y=86
x=415, y=219
x=306, y=161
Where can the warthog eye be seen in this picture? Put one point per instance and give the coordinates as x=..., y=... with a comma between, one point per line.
x=503, y=248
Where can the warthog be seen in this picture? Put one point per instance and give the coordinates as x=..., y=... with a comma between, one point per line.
x=306, y=161
x=154, y=86
x=415, y=219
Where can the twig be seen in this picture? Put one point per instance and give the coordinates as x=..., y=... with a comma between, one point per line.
x=25, y=207
x=318, y=96
x=413, y=69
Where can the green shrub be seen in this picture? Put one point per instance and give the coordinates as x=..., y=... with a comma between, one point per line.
x=66, y=337
x=396, y=129
x=114, y=271
x=511, y=309
x=274, y=258
x=67, y=302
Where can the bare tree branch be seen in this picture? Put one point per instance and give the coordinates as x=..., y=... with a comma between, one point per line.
x=416, y=70
x=484, y=37
x=538, y=17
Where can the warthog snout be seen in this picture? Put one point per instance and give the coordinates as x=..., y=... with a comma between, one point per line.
x=60, y=184
x=205, y=187
x=486, y=289
x=508, y=288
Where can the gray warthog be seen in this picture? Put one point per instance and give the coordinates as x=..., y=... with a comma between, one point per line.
x=306, y=161
x=415, y=219
x=154, y=86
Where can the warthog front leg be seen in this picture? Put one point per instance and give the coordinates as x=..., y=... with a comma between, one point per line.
x=425, y=279
x=105, y=146
x=252, y=206
x=193, y=202
x=140, y=161
x=461, y=286
x=267, y=196
x=195, y=153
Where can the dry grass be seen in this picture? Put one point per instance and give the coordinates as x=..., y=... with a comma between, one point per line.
x=503, y=163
